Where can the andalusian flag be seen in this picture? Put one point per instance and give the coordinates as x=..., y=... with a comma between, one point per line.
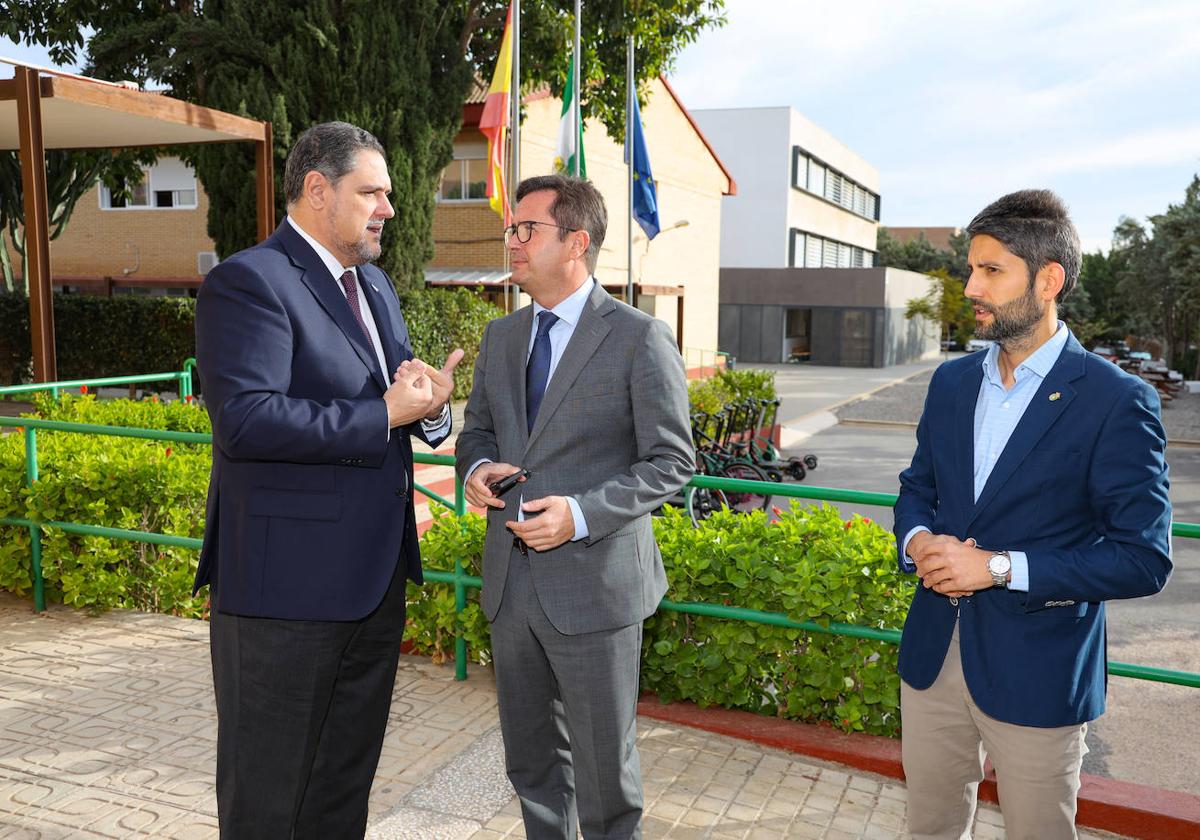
x=493, y=123
x=570, y=132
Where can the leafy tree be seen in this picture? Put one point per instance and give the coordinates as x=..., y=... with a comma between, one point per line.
x=918, y=254
x=1159, y=281
x=946, y=305
x=401, y=70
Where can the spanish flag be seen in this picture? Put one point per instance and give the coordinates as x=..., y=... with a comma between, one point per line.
x=493, y=124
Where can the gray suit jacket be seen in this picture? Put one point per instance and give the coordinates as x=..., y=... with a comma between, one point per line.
x=613, y=432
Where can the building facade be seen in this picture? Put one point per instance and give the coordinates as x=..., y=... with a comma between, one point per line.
x=679, y=267
x=804, y=199
x=799, y=280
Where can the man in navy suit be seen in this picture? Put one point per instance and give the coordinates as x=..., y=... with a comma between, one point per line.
x=310, y=534
x=1037, y=492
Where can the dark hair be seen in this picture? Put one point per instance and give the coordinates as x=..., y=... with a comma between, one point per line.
x=577, y=205
x=329, y=148
x=1034, y=225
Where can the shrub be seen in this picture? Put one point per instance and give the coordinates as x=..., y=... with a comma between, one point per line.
x=440, y=320
x=431, y=607
x=809, y=565
x=101, y=336
x=140, y=485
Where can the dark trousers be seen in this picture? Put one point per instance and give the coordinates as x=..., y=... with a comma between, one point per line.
x=302, y=707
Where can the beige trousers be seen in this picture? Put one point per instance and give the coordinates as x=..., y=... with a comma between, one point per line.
x=945, y=740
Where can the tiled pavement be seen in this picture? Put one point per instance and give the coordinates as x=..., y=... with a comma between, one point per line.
x=107, y=729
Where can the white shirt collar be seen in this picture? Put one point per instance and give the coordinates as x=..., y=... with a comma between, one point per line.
x=331, y=262
x=571, y=309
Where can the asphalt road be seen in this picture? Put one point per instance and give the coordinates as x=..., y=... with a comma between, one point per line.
x=1148, y=734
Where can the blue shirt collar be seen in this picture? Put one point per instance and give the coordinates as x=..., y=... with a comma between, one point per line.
x=571, y=309
x=1039, y=362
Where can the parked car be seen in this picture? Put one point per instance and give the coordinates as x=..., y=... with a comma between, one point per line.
x=978, y=344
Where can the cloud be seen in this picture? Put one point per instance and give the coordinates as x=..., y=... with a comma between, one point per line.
x=956, y=103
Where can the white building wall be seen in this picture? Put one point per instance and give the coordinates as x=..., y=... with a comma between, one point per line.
x=756, y=145
x=752, y=144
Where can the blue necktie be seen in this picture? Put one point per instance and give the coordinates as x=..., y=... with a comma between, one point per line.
x=537, y=372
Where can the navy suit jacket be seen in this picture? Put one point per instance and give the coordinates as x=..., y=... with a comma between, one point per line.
x=1081, y=487
x=310, y=500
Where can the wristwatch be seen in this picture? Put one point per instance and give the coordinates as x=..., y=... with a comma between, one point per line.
x=999, y=565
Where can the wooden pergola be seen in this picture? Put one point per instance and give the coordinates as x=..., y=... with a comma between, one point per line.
x=42, y=110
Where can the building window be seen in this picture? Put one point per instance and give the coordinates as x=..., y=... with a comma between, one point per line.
x=813, y=176
x=169, y=184
x=808, y=250
x=464, y=179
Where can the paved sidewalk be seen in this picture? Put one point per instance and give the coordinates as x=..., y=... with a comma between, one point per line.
x=107, y=729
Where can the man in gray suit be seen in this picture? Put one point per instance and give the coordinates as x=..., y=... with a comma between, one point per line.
x=590, y=396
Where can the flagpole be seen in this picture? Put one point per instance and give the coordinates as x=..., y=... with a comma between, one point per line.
x=575, y=93
x=515, y=134
x=630, y=92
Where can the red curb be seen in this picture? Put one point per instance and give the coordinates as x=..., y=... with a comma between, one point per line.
x=1120, y=807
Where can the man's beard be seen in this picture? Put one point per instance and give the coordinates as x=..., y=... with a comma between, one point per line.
x=363, y=249
x=1012, y=322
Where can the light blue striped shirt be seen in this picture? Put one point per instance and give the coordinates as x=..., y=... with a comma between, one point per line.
x=998, y=410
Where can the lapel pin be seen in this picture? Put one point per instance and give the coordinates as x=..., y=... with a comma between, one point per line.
x=1055, y=396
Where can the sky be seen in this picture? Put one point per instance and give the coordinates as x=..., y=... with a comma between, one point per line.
x=958, y=102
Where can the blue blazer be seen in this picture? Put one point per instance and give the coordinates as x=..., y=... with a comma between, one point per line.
x=1081, y=487
x=310, y=501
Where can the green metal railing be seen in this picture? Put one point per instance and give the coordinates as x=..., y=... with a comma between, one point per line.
x=183, y=377
x=462, y=581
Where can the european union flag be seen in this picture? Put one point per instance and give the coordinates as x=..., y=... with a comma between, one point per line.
x=645, y=191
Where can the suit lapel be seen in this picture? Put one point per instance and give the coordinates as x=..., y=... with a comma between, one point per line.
x=588, y=334
x=1041, y=414
x=328, y=294
x=964, y=431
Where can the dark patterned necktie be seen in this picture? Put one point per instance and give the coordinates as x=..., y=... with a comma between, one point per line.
x=537, y=371
x=350, y=282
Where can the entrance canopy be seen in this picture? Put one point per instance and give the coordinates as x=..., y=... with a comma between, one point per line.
x=43, y=109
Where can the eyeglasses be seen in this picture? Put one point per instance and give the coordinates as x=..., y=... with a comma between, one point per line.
x=524, y=230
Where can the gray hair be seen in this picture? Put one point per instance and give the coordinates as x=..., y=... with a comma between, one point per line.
x=329, y=148
x=1035, y=226
x=577, y=205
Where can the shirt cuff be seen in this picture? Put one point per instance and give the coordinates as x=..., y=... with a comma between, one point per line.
x=904, y=558
x=1019, y=580
x=474, y=467
x=441, y=424
x=581, y=528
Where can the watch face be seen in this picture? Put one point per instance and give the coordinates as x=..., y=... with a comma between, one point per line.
x=998, y=564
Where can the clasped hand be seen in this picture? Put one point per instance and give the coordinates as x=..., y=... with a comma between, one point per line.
x=948, y=565
x=548, y=521
x=420, y=390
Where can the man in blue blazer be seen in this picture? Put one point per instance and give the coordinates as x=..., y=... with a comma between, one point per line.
x=310, y=535
x=1037, y=492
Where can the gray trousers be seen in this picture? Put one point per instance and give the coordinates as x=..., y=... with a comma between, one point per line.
x=946, y=738
x=568, y=713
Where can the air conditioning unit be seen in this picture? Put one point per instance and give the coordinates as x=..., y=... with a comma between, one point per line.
x=205, y=262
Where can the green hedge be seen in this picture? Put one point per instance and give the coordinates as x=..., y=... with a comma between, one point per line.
x=807, y=564
x=99, y=336
x=125, y=335
x=140, y=485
